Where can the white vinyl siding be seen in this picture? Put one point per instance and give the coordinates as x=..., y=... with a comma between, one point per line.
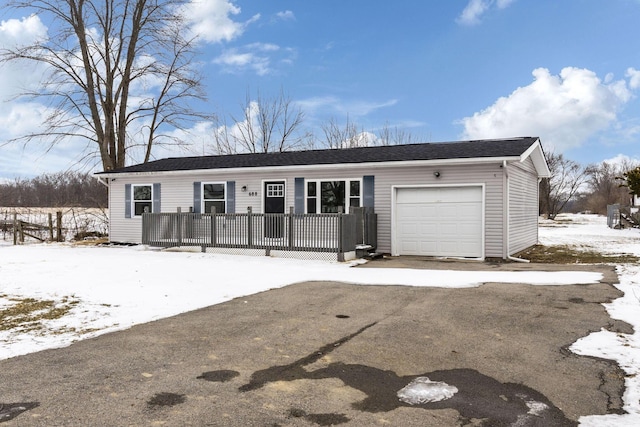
x=523, y=206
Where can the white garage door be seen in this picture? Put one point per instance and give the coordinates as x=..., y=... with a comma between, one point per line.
x=442, y=221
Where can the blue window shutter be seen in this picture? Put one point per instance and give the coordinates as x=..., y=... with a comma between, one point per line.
x=231, y=197
x=156, y=198
x=368, y=186
x=197, y=199
x=299, y=196
x=127, y=200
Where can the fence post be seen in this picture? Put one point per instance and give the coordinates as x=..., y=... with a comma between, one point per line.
x=59, y=237
x=249, y=228
x=50, y=227
x=15, y=228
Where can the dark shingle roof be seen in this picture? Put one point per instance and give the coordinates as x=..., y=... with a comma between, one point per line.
x=390, y=153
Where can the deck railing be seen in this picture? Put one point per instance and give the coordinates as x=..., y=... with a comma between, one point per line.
x=332, y=233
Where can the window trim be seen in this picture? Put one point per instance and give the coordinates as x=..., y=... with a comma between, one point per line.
x=133, y=199
x=203, y=200
x=318, y=196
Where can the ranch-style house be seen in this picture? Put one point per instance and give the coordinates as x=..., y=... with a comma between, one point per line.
x=470, y=199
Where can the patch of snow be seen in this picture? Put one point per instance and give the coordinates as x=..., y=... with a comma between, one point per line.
x=536, y=408
x=423, y=390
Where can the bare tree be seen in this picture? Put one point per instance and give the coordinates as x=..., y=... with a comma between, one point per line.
x=604, y=186
x=266, y=125
x=345, y=136
x=394, y=136
x=118, y=73
x=566, y=179
x=61, y=189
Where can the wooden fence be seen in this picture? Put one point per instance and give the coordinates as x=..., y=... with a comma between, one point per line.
x=20, y=229
x=332, y=233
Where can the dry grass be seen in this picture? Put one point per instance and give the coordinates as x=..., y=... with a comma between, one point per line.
x=29, y=314
x=567, y=255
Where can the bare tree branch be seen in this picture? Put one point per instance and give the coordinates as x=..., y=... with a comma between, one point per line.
x=118, y=73
x=266, y=125
x=566, y=179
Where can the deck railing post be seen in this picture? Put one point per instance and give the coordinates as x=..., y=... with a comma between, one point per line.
x=340, y=235
x=214, y=232
x=249, y=228
x=290, y=226
x=179, y=226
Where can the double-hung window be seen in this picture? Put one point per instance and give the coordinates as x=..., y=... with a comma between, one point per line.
x=214, y=196
x=328, y=196
x=142, y=199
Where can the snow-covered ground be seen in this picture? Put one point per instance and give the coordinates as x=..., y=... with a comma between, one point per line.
x=103, y=289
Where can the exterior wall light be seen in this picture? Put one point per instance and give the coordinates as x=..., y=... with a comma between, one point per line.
x=244, y=188
x=436, y=174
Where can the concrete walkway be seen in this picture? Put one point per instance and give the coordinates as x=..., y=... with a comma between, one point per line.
x=325, y=353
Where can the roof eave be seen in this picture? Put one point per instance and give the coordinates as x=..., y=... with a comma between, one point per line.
x=435, y=162
x=538, y=159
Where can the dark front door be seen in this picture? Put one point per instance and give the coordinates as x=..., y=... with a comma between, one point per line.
x=274, y=204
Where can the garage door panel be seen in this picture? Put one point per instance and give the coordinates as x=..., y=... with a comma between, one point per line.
x=444, y=221
x=428, y=246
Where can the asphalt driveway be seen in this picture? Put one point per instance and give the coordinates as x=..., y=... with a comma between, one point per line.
x=327, y=353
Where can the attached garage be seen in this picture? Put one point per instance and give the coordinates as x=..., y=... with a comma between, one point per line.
x=439, y=221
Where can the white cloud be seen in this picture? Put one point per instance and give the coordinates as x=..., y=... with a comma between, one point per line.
x=15, y=76
x=16, y=32
x=256, y=57
x=475, y=9
x=623, y=161
x=234, y=61
x=286, y=15
x=564, y=110
x=335, y=105
x=634, y=78
x=504, y=3
x=211, y=20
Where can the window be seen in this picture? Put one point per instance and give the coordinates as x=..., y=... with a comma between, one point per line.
x=275, y=190
x=354, y=194
x=214, y=195
x=312, y=199
x=331, y=195
x=142, y=199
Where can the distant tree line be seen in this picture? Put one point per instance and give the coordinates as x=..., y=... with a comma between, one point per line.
x=576, y=188
x=61, y=189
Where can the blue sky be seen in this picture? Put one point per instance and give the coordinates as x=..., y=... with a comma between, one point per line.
x=567, y=71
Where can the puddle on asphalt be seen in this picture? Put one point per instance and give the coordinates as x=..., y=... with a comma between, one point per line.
x=319, y=419
x=166, y=399
x=476, y=396
x=221, y=376
x=9, y=411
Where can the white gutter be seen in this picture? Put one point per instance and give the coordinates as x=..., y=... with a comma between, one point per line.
x=100, y=180
x=507, y=216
